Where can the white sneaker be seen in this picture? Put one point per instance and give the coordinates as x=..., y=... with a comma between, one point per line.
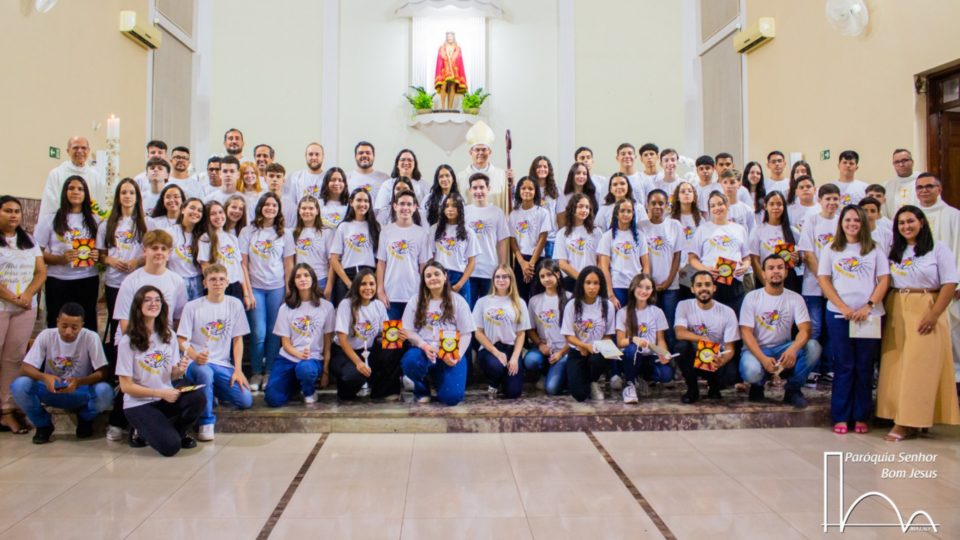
x=255, y=382
x=491, y=392
x=206, y=433
x=424, y=399
x=616, y=383
x=630, y=394
x=596, y=393
x=266, y=379
x=114, y=433
x=392, y=397
x=364, y=392
x=407, y=384
x=542, y=383
x=311, y=399
x=643, y=388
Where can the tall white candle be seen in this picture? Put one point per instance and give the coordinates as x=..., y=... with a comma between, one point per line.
x=113, y=127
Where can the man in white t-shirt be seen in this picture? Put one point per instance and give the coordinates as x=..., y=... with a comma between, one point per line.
x=778, y=179
x=900, y=189
x=364, y=176
x=180, y=159
x=706, y=331
x=263, y=156
x=307, y=181
x=276, y=179
x=158, y=171
x=233, y=143
x=211, y=181
x=229, y=174
x=706, y=187
x=211, y=335
x=65, y=369
x=155, y=149
x=767, y=318
x=627, y=159
x=879, y=193
x=490, y=225
x=851, y=189
x=818, y=232
x=883, y=236
x=585, y=155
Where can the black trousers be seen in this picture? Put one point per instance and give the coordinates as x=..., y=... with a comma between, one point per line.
x=524, y=289
x=162, y=424
x=235, y=290
x=340, y=288
x=583, y=370
x=385, y=372
x=84, y=291
x=688, y=352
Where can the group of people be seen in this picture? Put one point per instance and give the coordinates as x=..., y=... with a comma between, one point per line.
x=390, y=281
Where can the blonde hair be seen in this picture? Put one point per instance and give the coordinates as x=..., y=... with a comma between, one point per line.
x=243, y=169
x=511, y=290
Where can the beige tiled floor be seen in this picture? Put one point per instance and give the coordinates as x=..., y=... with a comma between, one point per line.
x=739, y=484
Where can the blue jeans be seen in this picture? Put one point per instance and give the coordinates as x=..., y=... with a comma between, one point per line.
x=753, y=372
x=395, y=310
x=556, y=374
x=287, y=375
x=217, y=381
x=194, y=287
x=479, y=287
x=852, y=398
x=453, y=277
x=667, y=301
x=451, y=381
x=264, y=345
x=621, y=295
x=87, y=401
x=647, y=366
x=816, y=306
x=496, y=373
x=548, y=249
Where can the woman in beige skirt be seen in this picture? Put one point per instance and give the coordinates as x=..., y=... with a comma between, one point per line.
x=916, y=387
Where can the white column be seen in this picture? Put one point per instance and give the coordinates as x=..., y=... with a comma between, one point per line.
x=330, y=98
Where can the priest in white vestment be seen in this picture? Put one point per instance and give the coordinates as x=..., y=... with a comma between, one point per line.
x=480, y=137
x=900, y=190
x=78, y=148
x=944, y=222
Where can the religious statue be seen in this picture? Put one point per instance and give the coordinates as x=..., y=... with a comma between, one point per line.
x=451, y=78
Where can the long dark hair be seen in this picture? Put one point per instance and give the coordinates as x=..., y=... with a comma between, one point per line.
x=325, y=192
x=794, y=180
x=677, y=208
x=758, y=190
x=461, y=218
x=572, y=209
x=550, y=183
x=537, y=197
x=615, y=220
x=538, y=288
x=423, y=298
x=317, y=221
x=195, y=235
x=60, y=225
x=116, y=214
x=293, y=297
x=415, y=173
x=205, y=228
x=610, y=198
x=278, y=224
x=138, y=332
x=784, y=218
x=578, y=293
x=630, y=321
x=396, y=198
x=23, y=239
x=160, y=210
x=589, y=189
x=924, y=236
x=353, y=296
x=436, y=194
x=369, y=217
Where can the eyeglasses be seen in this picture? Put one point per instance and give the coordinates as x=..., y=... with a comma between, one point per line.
x=180, y=158
x=903, y=161
x=153, y=301
x=776, y=161
x=213, y=169
x=927, y=187
x=218, y=280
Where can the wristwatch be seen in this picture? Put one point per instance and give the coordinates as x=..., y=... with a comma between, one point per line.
x=870, y=303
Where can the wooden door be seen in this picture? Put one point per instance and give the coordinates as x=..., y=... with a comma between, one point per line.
x=950, y=157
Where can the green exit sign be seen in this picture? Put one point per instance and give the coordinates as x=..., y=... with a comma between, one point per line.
x=824, y=155
x=54, y=152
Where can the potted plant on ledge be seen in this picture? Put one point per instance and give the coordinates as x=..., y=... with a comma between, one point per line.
x=422, y=102
x=473, y=101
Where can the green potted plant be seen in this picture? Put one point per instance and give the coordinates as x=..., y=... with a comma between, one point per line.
x=473, y=101
x=422, y=102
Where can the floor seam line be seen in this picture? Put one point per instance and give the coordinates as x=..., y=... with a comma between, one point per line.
x=291, y=490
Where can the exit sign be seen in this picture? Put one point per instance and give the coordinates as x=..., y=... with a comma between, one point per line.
x=824, y=155
x=54, y=152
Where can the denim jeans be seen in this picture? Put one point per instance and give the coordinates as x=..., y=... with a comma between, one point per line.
x=217, y=381
x=497, y=374
x=816, y=306
x=87, y=401
x=852, y=397
x=453, y=277
x=395, y=310
x=450, y=381
x=479, y=287
x=647, y=366
x=556, y=374
x=264, y=345
x=287, y=376
x=194, y=287
x=753, y=372
x=621, y=295
x=667, y=301
x=548, y=249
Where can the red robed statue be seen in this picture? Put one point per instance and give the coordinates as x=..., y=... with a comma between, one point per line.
x=451, y=78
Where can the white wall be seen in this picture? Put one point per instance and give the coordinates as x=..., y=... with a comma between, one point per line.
x=266, y=62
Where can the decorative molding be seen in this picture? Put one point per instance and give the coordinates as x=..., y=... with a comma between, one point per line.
x=446, y=130
x=566, y=99
x=330, y=83
x=449, y=8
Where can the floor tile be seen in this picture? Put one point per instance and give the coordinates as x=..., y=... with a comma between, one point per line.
x=368, y=443
x=547, y=443
x=370, y=468
x=664, y=463
x=466, y=529
x=460, y=468
x=458, y=443
x=136, y=466
x=70, y=446
x=272, y=443
x=542, y=499
x=54, y=469
x=570, y=469
x=20, y=499
x=802, y=494
x=732, y=527
x=163, y=528
x=80, y=528
x=698, y=495
x=763, y=463
x=463, y=500
x=336, y=529
x=243, y=468
x=607, y=528
x=730, y=439
x=225, y=500
x=348, y=500
x=641, y=441
x=110, y=499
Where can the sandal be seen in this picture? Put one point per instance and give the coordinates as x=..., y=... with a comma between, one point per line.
x=896, y=437
x=860, y=430
x=840, y=430
x=19, y=431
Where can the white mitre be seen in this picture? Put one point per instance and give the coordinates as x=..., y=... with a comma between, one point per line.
x=480, y=133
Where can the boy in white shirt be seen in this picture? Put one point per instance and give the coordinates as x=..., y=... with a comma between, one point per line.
x=881, y=235
x=229, y=174
x=851, y=189
x=276, y=182
x=879, y=193
x=489, y=224
x=65, y=369
x=818, y=232
x=706, y=186
x=158, y=171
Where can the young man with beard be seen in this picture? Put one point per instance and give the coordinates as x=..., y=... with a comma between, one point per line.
x=364, y=176
x=308, y=181
x=181, y=176
x=233, y=143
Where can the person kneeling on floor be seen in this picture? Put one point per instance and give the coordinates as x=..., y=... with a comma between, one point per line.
x=65, y=368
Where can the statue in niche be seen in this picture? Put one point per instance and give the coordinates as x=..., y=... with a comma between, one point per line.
x=451, y=78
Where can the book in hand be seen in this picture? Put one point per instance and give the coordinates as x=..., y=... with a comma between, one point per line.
x=868, y=329
x=84, y=247
x=656, y=349
x=707, y=354
x=726, y=268
x=607, y=348
x=787, y=252
x=191, y=388
x=449, y=345
x=391, y=335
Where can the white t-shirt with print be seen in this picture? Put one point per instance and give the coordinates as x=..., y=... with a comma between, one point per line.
x=490, y=226
x=303, y=183
x=170, y=284
x=125, y=247
x=650, y=321
x=311, y=248
x=403, y=250
x=605, y=216
x=151, y=368
x=579, y=248
x=851, y=192
x=688, y=226
x=664, y=239
x=854, y=276
x=704, y=192
x=624, y=252
x=498, y=319
x=77, y=359
x=773, y=317
x=818, y=232
x=332, y=213
x=545, y=317
x=229, y=255
x=783, y=186
x=212, y=326
x=452, y=252
x=590, y=326
x=716, y=325
x=181, y=256
x=17, y=268
x=765, y=237
x=713, y=241
x=353, y=243
x=932, y=271
x=368, y=326
x=526, y=226
x=371, y=182
x=462, y=321
x=305, y=326
x=264, y=249
x=742, y=215
x=54, y=244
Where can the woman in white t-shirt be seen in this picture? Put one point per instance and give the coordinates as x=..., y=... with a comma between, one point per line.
x=687, y=213
x=502, y=322
x=455, y=245
x=148, y=360
x=217, y=246
x=359, y=358
x=334, y=198
x=619, y=188
x=577, y=242
x=24, y=272
x=772, y=236
x=250, y=187
x=183, y=257
x=639, y=324
x=309, y=244
x=305, y=326
x=548, y=351
x=854, y=276
x=588, y=318
x=622, y=253
x=578, y=181
x=916, y=387
x=235, y=208
x=541, y=170
x=169, y=204
x=716, y=239
x=67, y=239
x=799, y=169
x=433, y=318
x=120, y=242
x=529, y=224
x=665, y=243
x=444, y=183
x=265, y=268
x=354, y=245
x=404, y=250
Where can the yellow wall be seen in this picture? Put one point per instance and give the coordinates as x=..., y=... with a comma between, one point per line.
x=64, y=70
x=812, y=89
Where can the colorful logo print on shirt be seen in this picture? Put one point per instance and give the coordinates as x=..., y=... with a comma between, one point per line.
x=480, y=227
x=70, y=236
x=331, y=219
x=656, y=244
x=365, y=330
x=496, y=315
x=264, y=248
x=850, y=267
x=522, y=227
x=625, y=249
x=302, y=325
x=721, y=241
x=688, y=232
x=313, y=191
x=153, y=361
x=699, y=329
x=125, y=239
x=584, y=327
x=549, y=318
x=845, y=199
x=576, y=245
x=447, y=245
x=399, y=248
x=184, y=252
x=214, y=330
x=229, y=255
x=770, y=320
x=645, y=332
x=824, y=239
x=358, y=242
x=304, y=246
x=773, y=242
x=61, y=364
x=903, y=267
x=432, y=318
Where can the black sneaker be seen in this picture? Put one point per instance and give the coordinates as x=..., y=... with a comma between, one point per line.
x=42, y=436
x=714, y=393
x=690, y=397
x=84, y=428
x=756, y=393
x=135, y=441
x=796, y=399
x=812, y=379
x=827, y=377
x=187, y=442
